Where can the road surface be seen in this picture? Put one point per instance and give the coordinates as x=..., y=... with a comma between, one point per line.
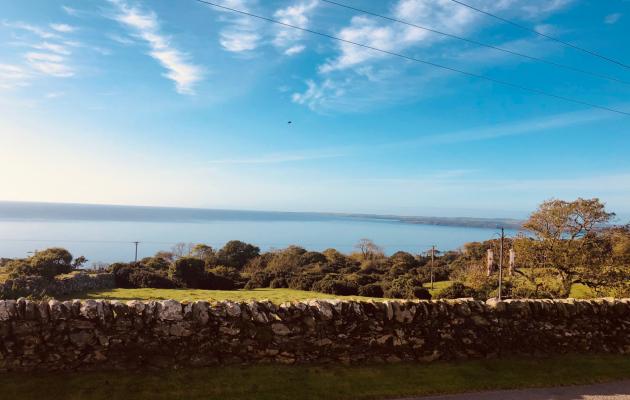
x=605, y=391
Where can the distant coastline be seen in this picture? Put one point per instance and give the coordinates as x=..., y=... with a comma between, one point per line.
x=10, y=210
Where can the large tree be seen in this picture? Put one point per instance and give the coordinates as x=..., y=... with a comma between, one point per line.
x=566, y=238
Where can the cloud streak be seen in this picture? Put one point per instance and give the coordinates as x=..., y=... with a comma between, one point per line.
x=146, y=26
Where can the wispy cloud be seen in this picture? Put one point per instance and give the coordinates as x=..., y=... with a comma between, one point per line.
x=296, y=15
x=36, y=30
x=279, y=158
x=13, y=76
x=530, y=126
x=351, y=62
x=241, y=34
x=63, y=28
x=71, y=11
x=612, y=18
x=146, y=26
x=49, y=64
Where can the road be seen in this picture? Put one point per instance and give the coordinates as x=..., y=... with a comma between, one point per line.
x=605, y=391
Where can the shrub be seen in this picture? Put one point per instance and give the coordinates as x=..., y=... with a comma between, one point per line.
x=457, y=291
x=304, y=282
x=47, y=263
x=402, y=287
x=278, y=283
x=211, y=281
x=258, y=280
x=236, y=254
x=189, y=271
x=146, y=278
x=421, y=293
x=331, y=285
x=371, y=290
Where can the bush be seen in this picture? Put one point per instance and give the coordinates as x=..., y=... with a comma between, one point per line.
x=331, y=285
x=258, y=280
x=371, y=290
x=210, y=281
x=47, y=263
x=146, y=278
x=458, y=291
x=278, y=283
x=304, y=282
x=402, y=287
x=236, y=254
x=421, y=293
x=189, y=271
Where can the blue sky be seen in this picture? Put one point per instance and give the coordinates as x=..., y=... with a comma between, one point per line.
x=176, y=103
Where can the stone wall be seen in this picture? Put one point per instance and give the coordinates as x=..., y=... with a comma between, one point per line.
x=38, y=286
x=91, y=334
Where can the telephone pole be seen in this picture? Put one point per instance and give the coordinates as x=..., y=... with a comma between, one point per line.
x=432, y=259
x=501, y=263
x=135, y=259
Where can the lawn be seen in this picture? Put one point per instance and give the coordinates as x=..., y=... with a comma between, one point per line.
x=437, y=287
x=279, y=382
x=580, y=291
x=275, y=295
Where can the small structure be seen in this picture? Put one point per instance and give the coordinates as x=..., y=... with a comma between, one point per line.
x=490, y=262
x=512, y=262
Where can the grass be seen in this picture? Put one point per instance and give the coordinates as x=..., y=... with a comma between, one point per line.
x=277, y=382
x=275, y=295
x=437, y=287
x=580, y=291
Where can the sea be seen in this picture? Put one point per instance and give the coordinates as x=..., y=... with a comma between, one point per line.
x=105, y=234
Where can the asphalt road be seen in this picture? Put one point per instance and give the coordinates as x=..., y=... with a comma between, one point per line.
x=606, y=391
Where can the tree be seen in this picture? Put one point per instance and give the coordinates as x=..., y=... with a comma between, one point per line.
x=236, y=254
x=565, y=237
x=369, y=250
x=47, y=263
x=188, y=270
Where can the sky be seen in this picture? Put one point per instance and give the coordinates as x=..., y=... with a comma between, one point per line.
x=178, y=103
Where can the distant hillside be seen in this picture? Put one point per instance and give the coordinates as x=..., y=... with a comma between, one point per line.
x=468, y=222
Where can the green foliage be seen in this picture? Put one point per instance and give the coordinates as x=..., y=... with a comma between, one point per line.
x=47, y=263
x=457, y=291
x=333, y=284
x=236, y=254
x=403, y=287
x=371, y=290
x=189, y=271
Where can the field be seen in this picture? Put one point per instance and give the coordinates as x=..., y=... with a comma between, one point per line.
x=275, y=295
x=279, y=382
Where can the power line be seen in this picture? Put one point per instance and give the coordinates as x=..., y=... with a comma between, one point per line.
x=542, y=34
x=430, y=63
x=477, y=43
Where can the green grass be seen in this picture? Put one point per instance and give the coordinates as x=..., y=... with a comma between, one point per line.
x=437, y=287
x=580, y=291
x=267, y=382
x=275, y=295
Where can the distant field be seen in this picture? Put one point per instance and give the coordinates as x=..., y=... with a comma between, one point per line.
x=580, y=291
x=437, y=287
x=275, y=295
x=330, y=382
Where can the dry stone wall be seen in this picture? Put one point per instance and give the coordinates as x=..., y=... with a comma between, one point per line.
x=60, y=287
x=90, y=334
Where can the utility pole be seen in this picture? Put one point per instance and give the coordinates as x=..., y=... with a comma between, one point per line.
x=135, y=260
x=432, y=259
x=501, y=263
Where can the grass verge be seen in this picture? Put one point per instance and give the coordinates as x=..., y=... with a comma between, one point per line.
x=267, y=382
x=275, y=295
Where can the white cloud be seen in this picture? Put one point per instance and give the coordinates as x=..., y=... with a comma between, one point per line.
x=444, y=15
x=293, y=50
x=13, y=76
x=146, y=27
x=296, y=15
x=71, y=11
x=49, y=64
x=241, y=35
x=54, y=47
x=42, y=33
x=63, y=28
x=612, y=18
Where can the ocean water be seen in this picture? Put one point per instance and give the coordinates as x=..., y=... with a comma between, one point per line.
x=107, y=233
